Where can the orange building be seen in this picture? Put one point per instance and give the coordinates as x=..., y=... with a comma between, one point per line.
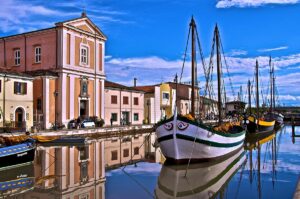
x=67, y=61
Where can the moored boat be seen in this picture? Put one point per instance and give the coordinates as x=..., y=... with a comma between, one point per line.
x=185, y=139
x=18, y=154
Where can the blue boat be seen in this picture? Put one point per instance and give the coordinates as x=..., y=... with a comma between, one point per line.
x=16, y=155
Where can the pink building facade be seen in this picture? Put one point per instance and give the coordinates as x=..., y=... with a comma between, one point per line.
x=123, y=105
x=67, y=62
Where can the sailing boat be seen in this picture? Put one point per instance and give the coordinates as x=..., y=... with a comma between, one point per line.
x=272, y=114
x=184, y=139
x=201, y=180
x=257, y=124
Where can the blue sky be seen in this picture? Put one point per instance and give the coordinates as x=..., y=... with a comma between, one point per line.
x=146, y=38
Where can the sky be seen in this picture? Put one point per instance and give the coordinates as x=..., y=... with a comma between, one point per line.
x=147, y=38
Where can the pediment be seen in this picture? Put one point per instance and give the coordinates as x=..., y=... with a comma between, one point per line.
x=86, y=25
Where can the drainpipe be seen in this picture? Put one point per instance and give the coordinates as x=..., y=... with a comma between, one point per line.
x=120, y=104
x=25, y=54
x=4, y=50
x=4, y=80
x=95, y=82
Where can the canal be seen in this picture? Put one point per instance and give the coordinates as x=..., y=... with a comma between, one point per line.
x=132, y=167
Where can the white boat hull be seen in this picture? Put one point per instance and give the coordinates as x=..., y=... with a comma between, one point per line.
x=180, y=141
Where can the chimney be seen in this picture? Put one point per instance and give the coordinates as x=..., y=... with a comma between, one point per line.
x=134, y=81
x=83, y=14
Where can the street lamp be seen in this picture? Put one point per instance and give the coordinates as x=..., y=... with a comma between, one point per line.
x=55, y=115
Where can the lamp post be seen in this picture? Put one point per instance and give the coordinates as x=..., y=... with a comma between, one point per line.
x=55, y=115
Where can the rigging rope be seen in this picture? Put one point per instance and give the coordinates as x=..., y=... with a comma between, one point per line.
x=184, y=58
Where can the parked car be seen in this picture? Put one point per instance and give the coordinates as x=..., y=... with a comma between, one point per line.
x=87, y=123
x=72, y=124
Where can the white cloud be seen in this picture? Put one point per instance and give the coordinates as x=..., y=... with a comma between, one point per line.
x=236, y=52
x=251, y=3
x=273, y=49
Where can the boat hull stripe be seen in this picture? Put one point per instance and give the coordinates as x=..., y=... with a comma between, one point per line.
x=200, y=141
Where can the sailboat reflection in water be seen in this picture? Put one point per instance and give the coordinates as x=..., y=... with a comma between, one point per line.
x=203, y=180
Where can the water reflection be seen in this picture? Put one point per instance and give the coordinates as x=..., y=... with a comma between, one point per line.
x=203, y=180
x=267, y=167
x=68, y=172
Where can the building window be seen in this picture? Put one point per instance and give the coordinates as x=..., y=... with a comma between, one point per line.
x=136, y=150
x=125, y=100
x=136, y=101
x=39, y=104
x=136, y=117
x=165, y=96
x=20, y=88
x=114, y=155
x=114, y=99
x=38, y=52
x=84, y=55
x=114, y=117
x=126, y=153
x=17, y=55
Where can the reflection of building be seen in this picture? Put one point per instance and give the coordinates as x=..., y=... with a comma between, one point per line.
x=69, y=172
x=123, y=105
x=160, y=100
x=122, y=150
x=234, y=107
x=16, y=101
x=68, y=63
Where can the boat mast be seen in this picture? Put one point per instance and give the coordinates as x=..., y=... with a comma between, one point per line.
x=257, y=91
x=218, y=73
x=271, y=85
x=273, y=72
x=193, y=27
x=249, y=95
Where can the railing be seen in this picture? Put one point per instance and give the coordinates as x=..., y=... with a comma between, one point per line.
x=13, y=126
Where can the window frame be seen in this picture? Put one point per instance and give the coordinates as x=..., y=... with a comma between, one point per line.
x=136, y=101
x=125, y=155
x=127, y=100
x=84, y=59
x=136, y=118
x=136, y=150
x=167, y=93
x=112, y=100
x=20, y=88
x=114, y=119
x=113, y=158
x=17, y=56
x=37, y=54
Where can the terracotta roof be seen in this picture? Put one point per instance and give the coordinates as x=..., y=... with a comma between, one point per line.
x=146, y=89
x=109, y=84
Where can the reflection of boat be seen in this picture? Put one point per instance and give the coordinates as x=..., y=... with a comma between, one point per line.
x=255, y=142
x=16, y=180
x=204, y=180
x=11, y=156
x=184, y=139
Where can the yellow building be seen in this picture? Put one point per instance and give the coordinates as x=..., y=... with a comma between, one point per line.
x=16, y=101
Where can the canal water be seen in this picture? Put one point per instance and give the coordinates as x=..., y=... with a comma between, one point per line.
x=131, y=167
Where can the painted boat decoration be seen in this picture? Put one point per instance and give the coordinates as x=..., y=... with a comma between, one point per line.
x=202, y=180
x=183, y=139
x=18, y=154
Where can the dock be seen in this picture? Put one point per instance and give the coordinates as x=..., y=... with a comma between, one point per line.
x=95, y=133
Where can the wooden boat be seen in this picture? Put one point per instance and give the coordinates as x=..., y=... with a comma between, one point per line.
x=16, y=181
x=255, y=122
x=184, y=139
x=202, y=180
x=18, y=154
